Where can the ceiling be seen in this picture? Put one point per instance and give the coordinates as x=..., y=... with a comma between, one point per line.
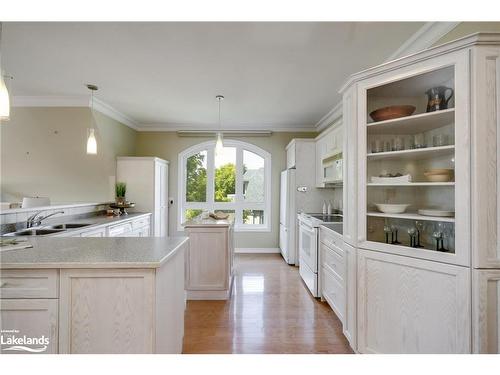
x=274, y=76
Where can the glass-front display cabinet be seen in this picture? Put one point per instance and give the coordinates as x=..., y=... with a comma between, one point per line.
x=413, y=174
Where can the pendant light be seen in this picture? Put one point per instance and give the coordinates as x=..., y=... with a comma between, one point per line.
x=91, y=139
x=4, y=92
x=219, y=145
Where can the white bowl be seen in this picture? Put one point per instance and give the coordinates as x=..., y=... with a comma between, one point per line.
x=392, y=208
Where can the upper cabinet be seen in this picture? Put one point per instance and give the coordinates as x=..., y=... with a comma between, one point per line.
x=329, y=145
x=414, y=188
x=485, y=115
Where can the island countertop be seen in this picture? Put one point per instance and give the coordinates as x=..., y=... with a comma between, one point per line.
x=209, y=222
x=93, y=252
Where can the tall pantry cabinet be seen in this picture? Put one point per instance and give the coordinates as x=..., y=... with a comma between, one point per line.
x=147, y=187
x=442, y=296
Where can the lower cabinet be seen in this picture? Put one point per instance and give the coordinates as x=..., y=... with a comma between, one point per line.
x=123, y=311
x=209, y=263
x=29, y=326
x=408, y=305
x=349, y=326
x=485, y=314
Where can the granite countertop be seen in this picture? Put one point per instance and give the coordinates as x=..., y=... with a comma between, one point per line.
x=210, y=222
x=93, y=252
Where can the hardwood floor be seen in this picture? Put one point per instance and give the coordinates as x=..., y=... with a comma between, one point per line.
x=270, y=311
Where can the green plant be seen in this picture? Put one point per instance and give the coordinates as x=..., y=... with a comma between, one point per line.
x=121, y=189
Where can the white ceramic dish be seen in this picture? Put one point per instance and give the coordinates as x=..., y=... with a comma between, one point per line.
x=434, y=212
x=387, y=208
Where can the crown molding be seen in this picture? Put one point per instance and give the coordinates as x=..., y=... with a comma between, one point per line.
x=424, y=38
x=75, y=101
x=328, y=119
x=115, y=114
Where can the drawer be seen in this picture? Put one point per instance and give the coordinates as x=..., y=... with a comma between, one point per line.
x=139, y=223
x=29, y=284
x=332, y=240
x=333, y=260
x=94, y=233
x=333, y=292
x=120, y=230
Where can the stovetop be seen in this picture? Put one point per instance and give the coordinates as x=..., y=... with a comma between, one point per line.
x=328, y=218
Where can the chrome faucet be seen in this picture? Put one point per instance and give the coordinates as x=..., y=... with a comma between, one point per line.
x=36, y=219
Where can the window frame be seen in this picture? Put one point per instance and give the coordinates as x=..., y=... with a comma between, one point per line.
x=239, y=205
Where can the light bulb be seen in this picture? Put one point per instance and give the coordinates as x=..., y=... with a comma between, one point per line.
x=4, y=100
x=91, y=142
x=219, y=146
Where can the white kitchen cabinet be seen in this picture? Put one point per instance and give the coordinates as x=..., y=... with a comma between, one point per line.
x=350, y=320
x=147, y=187
x=123, y=310
x=486, y=311
x=350, y=188
x=485, y=171
x=290, y=155
x=33, y=318
x=101, y=232
x=408, y=305
x=209, y=261
x=328, y=143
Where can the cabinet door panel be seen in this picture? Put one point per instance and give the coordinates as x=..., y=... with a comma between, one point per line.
x=485, y=158
x=349, y=326
x=207, y=260
x=486, y=302
x=32, y=318
x=106, y=311
x=407, y=305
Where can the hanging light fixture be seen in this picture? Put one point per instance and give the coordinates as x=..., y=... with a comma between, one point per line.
x=91, y=139
x=4, y=92
x=219, y=146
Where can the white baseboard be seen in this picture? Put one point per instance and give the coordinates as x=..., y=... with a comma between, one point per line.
x=257, y=250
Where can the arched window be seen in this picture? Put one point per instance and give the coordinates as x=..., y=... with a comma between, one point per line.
x=236, y=181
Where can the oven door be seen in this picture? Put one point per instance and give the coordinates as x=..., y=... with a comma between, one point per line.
x=308, y=246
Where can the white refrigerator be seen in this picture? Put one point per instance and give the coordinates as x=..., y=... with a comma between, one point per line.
x=300, y=194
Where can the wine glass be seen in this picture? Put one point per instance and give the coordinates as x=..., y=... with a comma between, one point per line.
x=420, y=231
x=412, y=232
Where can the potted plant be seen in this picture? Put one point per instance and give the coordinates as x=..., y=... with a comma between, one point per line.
x=120, y=189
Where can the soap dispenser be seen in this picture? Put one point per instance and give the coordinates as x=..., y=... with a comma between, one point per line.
x=324, y=208
x=329, y=207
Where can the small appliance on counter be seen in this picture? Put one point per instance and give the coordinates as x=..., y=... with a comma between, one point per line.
x=309, y=246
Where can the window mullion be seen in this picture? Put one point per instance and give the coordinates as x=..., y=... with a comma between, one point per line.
x=239, y=185
x=210, y=178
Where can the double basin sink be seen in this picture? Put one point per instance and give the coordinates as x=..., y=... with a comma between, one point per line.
x=47, y=230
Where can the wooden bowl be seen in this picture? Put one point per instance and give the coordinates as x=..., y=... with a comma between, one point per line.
x=392, y=112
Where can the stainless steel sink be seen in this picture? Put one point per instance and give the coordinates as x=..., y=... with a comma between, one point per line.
x=68, y=226
x=37, y=232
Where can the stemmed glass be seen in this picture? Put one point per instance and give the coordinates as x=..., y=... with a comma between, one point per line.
x=420, y=231
x=394, y=237
x=412, y=232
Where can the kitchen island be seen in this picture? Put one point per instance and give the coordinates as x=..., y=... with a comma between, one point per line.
x=94, y=295
x=210, y=258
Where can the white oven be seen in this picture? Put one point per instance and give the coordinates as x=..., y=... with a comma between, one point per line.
x=308, y=253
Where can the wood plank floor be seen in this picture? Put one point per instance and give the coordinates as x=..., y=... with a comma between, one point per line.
x=270, y=311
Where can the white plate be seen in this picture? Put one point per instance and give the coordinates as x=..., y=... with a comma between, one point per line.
x=432, y=212
x=392, y=208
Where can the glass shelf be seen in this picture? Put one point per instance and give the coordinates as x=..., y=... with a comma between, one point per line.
x=411, y=184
